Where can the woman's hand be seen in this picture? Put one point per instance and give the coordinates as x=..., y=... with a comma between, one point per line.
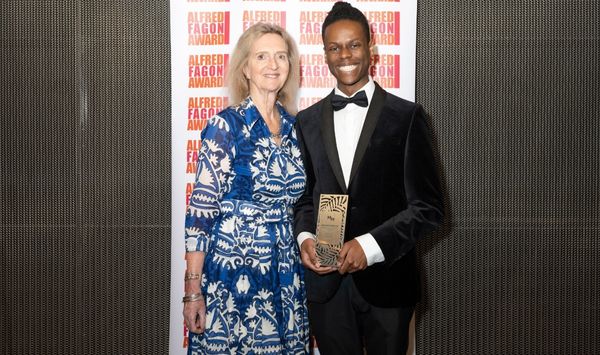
x=194, y=306
x=194, y=315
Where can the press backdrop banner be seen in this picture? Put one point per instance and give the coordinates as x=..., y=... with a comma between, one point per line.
x=203, y=34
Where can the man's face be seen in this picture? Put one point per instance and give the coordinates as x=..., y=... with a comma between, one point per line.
x=348, y=54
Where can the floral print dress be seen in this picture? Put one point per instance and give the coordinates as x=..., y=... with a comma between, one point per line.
x=240, y=215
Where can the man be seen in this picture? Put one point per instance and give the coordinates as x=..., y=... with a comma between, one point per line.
x=377, y=150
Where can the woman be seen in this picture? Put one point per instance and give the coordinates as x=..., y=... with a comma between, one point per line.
x=244, y=288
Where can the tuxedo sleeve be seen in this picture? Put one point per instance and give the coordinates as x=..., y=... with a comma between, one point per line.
x=424, y=212
x=304, y=212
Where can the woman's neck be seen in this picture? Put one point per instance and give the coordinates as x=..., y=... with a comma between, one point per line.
x=266, y=106
x=270, y=114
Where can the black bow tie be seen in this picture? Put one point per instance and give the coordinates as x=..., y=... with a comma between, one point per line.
x=339, y=102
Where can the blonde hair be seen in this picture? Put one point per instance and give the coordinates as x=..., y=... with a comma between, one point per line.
x=237, y=82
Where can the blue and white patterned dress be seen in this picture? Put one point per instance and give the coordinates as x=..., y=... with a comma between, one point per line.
x=240, y=214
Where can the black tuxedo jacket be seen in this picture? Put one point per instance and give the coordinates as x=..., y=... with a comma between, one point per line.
x=394, y=193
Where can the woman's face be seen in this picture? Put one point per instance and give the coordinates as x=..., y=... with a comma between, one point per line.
x=268, y=65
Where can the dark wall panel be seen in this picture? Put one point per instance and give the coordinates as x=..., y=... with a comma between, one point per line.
x=512, y=88
x=39, y=177
x=126, y=164
x=40, y=290
x=85, y=189
x=38, y=59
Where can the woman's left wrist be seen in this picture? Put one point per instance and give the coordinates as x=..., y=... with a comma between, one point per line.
x=192, y=297
x=191, y=276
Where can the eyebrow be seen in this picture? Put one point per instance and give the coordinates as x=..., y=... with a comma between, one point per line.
x=350, y=40
x=278, y=52
x=341, y=43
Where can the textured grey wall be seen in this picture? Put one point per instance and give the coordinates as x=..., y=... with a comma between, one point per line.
x=512, y=88
x=85, y=185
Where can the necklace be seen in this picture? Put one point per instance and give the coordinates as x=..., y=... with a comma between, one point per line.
x=276, y=117
x=276, y=135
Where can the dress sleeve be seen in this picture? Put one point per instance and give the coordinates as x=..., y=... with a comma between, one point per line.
x=213, y=179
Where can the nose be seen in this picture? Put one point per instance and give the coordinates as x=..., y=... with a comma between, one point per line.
x=273, y=63
x=345, y=52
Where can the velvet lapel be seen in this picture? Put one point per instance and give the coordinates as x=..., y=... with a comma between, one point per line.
x=328, y=132
x=373, y=113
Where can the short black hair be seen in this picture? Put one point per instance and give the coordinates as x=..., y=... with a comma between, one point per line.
x=344, y=11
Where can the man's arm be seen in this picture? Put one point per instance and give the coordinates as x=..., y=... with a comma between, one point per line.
x=399, y=234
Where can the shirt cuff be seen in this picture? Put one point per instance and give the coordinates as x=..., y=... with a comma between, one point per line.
x=370, y=247
x=304, y=236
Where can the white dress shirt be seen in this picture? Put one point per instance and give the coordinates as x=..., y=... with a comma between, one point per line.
x=348, y=123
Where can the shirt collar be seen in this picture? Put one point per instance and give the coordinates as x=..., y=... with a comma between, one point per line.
x=251, y=115
x=369, y=89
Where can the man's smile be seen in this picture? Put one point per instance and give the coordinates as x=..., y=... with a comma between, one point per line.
x=347, y=68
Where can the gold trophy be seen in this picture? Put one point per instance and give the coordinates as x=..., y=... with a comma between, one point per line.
x=331, y=223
